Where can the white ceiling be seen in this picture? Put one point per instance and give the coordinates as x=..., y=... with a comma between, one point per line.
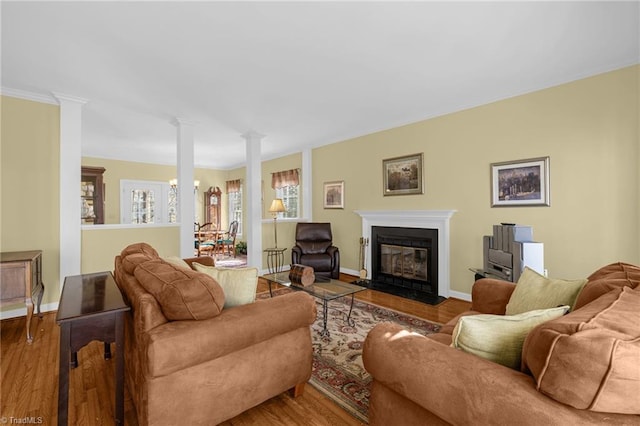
x=304, y=74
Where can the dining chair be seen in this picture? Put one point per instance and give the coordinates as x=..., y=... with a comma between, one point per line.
x=206, y=239
x=228, y=241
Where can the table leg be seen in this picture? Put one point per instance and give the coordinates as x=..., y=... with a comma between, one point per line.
x=29, y=304
x=325, y=317
x=120, y=368
x=63, y=373
x=40, y=300
x=351, y=322
x=270, y=292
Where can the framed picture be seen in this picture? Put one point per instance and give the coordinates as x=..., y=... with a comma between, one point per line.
x=402, y=175
x=520, y=183
x=334, y=195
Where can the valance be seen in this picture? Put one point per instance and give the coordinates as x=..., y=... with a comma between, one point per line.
x=285, y=178
x=233, y=185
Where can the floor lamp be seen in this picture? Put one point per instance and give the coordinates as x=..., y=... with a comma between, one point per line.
x=277, y=206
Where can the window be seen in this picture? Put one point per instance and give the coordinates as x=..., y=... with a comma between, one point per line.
x=287, y=186
x=145, y=202
x=235, y=208
x=290, y=199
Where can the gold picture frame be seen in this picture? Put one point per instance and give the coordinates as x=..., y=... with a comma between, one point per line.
x=403, y=175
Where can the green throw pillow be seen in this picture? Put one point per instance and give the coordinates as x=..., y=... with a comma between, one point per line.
x=535, y=291
x=499, y=338
x=239, y=284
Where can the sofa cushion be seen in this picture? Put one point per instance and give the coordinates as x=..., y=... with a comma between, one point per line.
x=606, y=279
x=139, y=248
x=615, y=267
x=589, y=358
x=499, y=338
x=131, y=261
x=239, y=284
x=182, y=294
x=535, y=291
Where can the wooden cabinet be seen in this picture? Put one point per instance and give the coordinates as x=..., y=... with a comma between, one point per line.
x=21, y=281
x=92, y=195
x=213, y=207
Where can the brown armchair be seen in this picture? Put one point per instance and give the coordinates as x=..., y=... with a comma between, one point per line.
x=314, y=247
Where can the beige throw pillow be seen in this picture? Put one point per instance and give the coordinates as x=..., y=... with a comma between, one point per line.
x=177, y=261
x=239, y=284
x=499, y=338
x=535, y=291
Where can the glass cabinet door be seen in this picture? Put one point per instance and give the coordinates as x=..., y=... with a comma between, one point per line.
x=145, y=202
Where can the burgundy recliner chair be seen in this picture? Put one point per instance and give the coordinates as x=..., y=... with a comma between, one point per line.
x=314, y=247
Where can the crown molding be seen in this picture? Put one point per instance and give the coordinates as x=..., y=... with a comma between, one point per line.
x=253, y=136
x=180, y=122
x=29, y=96
x=64, y=97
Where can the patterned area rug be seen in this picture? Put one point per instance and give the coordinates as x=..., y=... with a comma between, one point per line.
x=338, y=371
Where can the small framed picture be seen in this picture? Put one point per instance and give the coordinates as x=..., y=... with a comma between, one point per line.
x=334, y=195
x=402, y=175
x=520, y=183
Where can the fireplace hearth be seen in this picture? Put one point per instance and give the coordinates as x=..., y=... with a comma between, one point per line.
x=404, y=262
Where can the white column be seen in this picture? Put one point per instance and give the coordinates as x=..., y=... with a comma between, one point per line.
x=186, y=209
x=70, y=176
x=307, y=185
x=253, y=215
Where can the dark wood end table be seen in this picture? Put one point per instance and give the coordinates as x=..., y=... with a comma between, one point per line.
x=91, y=308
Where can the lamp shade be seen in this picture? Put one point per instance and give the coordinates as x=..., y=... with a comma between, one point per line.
x=277, y=206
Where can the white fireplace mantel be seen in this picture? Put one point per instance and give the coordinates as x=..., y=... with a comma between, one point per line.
x=429, y=219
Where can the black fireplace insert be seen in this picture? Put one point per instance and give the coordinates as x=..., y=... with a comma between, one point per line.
x=404, y=262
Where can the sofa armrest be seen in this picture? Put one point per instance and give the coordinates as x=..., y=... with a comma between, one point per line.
x=182, y=344
x=461, y=388
x=490, y=295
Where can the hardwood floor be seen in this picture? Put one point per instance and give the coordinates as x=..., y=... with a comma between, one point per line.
x=29, y=375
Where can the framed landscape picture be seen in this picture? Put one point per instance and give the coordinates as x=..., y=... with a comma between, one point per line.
x=520, y=183
x=402, y=175
x=334, y=195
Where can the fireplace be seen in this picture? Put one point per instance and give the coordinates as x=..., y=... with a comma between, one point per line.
x=404, y=262
x=437, y=255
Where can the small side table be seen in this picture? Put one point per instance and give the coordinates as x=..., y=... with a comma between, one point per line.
x=91, y=308
x=275, y=259
x=21, y=281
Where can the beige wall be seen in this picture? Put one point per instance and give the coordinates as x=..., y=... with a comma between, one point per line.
x=589, y=129
x=101, y=244
x=30, y=185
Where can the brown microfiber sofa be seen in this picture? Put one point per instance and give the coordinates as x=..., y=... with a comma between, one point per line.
x=579, y=369
x=218, y=363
